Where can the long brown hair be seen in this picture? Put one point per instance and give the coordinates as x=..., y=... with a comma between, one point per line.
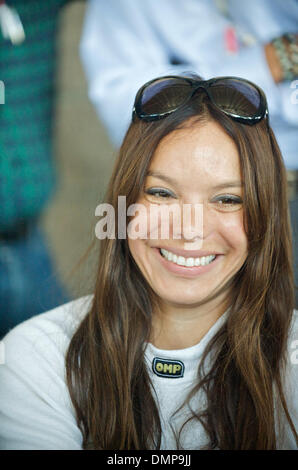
x=108, y=381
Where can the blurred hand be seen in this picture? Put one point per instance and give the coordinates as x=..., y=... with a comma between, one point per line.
x=274, y=61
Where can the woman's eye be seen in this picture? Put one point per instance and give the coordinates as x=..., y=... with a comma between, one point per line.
x=228, y=202
x=159, y=193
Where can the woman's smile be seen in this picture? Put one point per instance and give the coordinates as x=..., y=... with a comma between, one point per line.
x=186, y=266
x=188, y=261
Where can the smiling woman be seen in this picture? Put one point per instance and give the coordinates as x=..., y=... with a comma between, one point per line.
x=186, y=342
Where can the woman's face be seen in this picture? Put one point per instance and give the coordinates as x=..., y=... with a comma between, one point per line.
x=198, y=166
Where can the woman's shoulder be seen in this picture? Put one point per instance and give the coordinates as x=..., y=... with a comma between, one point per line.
x=57, y=324
x=293, y=342
x=32, y=381
x=291, y=382
x=293, y=331
x=45, y=336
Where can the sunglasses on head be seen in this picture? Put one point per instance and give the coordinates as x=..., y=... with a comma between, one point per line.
x=238, y=98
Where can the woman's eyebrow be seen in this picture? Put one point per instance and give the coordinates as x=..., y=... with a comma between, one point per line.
x=168, y=179
x=229, y=184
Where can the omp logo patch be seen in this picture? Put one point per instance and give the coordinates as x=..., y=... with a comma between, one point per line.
x=167, y=368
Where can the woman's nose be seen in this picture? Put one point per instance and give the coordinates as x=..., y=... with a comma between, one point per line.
x=197, y=225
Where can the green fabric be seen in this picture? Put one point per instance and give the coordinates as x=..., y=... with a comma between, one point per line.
x=27, y=171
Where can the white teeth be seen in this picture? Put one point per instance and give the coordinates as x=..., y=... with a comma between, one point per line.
x=189, y=262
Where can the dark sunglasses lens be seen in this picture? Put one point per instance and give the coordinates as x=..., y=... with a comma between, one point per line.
x=164, y=95
x=236, y=97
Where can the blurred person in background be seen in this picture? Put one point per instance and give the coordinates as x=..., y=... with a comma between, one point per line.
x=127, y=42
x=28, y=282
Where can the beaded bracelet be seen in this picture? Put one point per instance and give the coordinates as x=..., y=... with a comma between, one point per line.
x=293, y=46
x=286, y=48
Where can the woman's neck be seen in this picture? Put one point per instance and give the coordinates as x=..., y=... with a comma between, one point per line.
x=180, y=327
